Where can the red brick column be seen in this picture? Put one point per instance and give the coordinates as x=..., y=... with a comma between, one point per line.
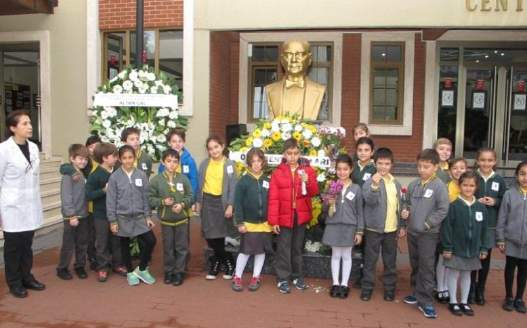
x=120, y=14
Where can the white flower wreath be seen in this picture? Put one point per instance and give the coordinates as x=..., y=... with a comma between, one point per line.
x=153, y=122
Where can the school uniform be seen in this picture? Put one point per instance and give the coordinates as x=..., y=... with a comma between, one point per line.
x=443, y=173
x=464, y=234
x=174, y=226
x=74, y=205
x=428, y=208
x=144, y=162
x=187, y=166
x=127, y=206
x=107, y=245
x=250, y=209
x=347, y=220
x=362, y=174
x=20, y=208
x=382, y=221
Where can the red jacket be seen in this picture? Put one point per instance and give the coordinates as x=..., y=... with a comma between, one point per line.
x=280, y=199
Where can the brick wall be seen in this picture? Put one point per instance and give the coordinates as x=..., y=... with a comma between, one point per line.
x=224, y=76
x=405, y=148
x=120, y=14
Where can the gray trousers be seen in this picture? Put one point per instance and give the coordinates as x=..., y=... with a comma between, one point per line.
x=107, y=246
x=74, y=240
x=375, y=243
x=289, y=249
x=175, y=247
x=421, y=249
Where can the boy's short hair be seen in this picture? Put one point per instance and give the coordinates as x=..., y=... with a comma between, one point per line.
x=290, y=144
x=129, y=131
x=92, y=140
x=442, y=141
x=170, y=153
x=428, y=155
x=104, y=149
x=361, y=126
x=180, y=132
x=383, y=152
x=75, y=150
x=365, y=141
x=255, y=152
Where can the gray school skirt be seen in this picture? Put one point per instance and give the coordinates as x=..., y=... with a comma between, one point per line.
x=339, y=235
x=462, y=263
x=213, y=222
x=253, y=243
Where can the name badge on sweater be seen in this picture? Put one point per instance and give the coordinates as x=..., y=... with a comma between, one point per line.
x=479, y=216
x=350, y=195
x=186, y=169
x=179, y=187
x=366, y=176
x=265, y=184
x=144, y=167
x=139, y=182
x=495, y=186
x=230, y=170
x=428, y=193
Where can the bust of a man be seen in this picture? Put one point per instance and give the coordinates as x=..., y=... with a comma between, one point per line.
x=295, y=93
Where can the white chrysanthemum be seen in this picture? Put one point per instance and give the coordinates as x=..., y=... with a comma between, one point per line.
x=275, y=126
x=143, y=89
x=257, y=142
x=171, y=124
x=307, y=134
x=133, y=76
x=161, y=138
x=321, y=153
x=151, y=77
x=286, y=127
x=128, y=85
x=316, y=141
x=173, y=115
x=106, y=123
x=162, y=112
x=117, y=89
x=138, y=84
x=298, y=128
x=154, y=89
x=286, y=135
x=266, y=133
x=143, y=76
x=104, y=115
x=321, y=177
x=167, y=89
x=158, y=83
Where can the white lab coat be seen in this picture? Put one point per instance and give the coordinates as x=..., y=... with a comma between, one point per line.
x=20, y=204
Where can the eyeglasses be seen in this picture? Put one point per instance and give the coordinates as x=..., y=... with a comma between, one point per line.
x=300, y=55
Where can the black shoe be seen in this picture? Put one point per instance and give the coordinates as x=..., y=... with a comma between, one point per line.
x=472, y=295
x=228, y=269
x=455, y=309
x=466, y=309
x=214, y=269
x=81, y=273
x=34, y=284
x=344, y=292
x=93, y=266
x=365, y=295
x=178, y=279
x=508, y=305
x=334, y=291
x=64, y=274
x=389, y=296
x=519, y=305
x=168, y=278
x=443, y=297
x=480, y=297
x=18, y=291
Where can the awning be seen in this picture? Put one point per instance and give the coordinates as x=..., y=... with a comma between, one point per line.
x=21, y=7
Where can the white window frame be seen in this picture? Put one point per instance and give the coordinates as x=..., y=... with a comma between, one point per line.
x=248, y=38
x=404, y=129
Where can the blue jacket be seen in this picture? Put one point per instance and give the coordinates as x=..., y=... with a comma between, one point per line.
x=189, y=169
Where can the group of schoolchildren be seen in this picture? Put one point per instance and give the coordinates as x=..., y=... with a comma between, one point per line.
x=451, y=216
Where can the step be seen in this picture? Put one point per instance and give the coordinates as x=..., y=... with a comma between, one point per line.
x=51, y=210
x=49, y=172
x=50, y=196
x=49, y=184
x=51, y=163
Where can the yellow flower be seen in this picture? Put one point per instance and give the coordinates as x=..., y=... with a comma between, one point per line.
x=249, y=142
x=297, y=135
x=267, y=126
x=268, y=143
x=276, y=136
x=244, y=149
x=313, y=152
x=257, y=133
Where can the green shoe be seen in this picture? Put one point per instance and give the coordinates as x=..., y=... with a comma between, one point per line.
x=145, y=276
x=132, y=279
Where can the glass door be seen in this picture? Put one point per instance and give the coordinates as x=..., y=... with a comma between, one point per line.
x=515, y=137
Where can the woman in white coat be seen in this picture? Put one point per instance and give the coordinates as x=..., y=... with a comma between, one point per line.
x=20, y=205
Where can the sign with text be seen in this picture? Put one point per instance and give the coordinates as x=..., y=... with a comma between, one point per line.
x=275, y=159
x=135, y=100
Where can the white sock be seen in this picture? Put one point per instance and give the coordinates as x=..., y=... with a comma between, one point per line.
x=241, y=262
x=441, y=275
x=336, y=255
x=464, y=282
x=452, y=278
x=259, y=260
x=346, y=265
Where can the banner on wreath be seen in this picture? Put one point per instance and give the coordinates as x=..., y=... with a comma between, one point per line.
x=135, y=100
x=273, y=160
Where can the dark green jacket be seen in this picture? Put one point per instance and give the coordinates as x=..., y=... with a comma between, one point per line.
x=359, y=176
x=94, y=191
x=443, y=175
x=68, y=169
x=144, y=163
x=250, y=199
x=464, y=231
x=180, y=192
x=495, y=187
